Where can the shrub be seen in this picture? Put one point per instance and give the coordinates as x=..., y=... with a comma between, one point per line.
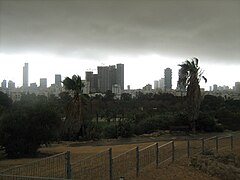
x=125, y=128
x=24, y=129
x=206, y=123
x=151, y=124
x=110, y=131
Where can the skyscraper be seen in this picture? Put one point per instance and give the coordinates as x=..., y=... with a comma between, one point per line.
x=120, y=75
x=168, y=79
x=103, y=78
x=43, y=83
x=25, y=75
x=4, y=84
x=58, y=80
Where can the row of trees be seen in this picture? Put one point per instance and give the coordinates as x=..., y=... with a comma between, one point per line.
x=36, y=120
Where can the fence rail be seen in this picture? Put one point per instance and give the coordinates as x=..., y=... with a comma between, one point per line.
x=106, y=167
x=51, y=167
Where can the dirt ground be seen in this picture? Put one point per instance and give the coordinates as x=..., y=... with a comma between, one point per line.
x=177, y=170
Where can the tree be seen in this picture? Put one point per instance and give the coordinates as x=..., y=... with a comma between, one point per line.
x=74, y=119
x=5, y=102
x=190, y=76
x=24, y=127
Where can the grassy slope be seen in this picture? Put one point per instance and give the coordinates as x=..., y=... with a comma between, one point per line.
x=178, y=170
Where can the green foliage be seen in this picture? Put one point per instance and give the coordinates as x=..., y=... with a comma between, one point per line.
x=111, y=131
x=25, y=127
x=229, y=120
x=5, y=102
x=125, y=128
x=206, y=123
x=151, y=124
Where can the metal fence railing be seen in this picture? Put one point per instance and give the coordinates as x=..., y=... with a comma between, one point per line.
x=103, y=166
x=93, y=167
x=124, y=163
x=51, y=167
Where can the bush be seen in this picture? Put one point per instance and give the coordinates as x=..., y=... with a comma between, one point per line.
x=151, y=124
x=110, y=131
x=24, y=129
x=206, y=123
x=125, y=128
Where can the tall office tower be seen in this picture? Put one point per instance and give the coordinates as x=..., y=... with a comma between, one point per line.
x=11, y=85
x=43, y=83
x=156, y=84
x=161, y=83
x=25, y=75
x=168, y=79
x=112, y=77
x=58, y=80
x=215, y=87
x=89, y=78
x=103, y=78
x=120, y=75
x=237, y=87
x=4, y=84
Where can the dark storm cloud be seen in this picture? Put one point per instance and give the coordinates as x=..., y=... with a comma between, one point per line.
x=96, y=29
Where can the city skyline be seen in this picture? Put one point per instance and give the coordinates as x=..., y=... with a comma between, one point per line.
x=167, y=72
x=70, y=37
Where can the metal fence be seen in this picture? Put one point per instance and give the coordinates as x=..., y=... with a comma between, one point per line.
x=52, y=167
x=93, y=167
x=104, y=166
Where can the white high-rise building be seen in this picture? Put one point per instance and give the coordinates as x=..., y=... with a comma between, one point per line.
x=25, y=75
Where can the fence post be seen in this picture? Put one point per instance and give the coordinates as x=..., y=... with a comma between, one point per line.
x=157, y=153
x=137, y=161
x=173, y=151
x=231, y=142
x=216, y=144
x=110, y=164
x=203, y=148
x=68, y=165
x=188, y=148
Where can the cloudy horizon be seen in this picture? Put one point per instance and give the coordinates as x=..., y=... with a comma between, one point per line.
x=146, y=36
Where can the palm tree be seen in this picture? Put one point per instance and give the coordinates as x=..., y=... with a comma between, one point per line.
x=74, y=118
x=190, y=76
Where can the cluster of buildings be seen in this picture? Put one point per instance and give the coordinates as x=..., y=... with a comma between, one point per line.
x=107, y=78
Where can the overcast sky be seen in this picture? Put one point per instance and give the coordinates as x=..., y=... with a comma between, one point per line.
x=70, y=36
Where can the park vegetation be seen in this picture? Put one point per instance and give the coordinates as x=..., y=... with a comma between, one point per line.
x=35, y=120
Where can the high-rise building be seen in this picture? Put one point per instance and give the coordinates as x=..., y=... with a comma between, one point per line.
x=25, y=75
x=106, y=78
x=237, y=87
x=11, y=85
x=168, y=79
x=58, y=80
x=103, y=78
x=156, y=84
x=43, y=83
x=4, y=84
x=161, y=84
x=120, y=75
x=215, y=87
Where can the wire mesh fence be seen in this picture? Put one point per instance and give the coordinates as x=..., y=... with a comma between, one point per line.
x=103, y=166
x=210, y=145
x=194, y=147
x=165, y=153
x=124, y=163
x=147, y=155
x=93, y=167
x=51, y=167
x=225, y=143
